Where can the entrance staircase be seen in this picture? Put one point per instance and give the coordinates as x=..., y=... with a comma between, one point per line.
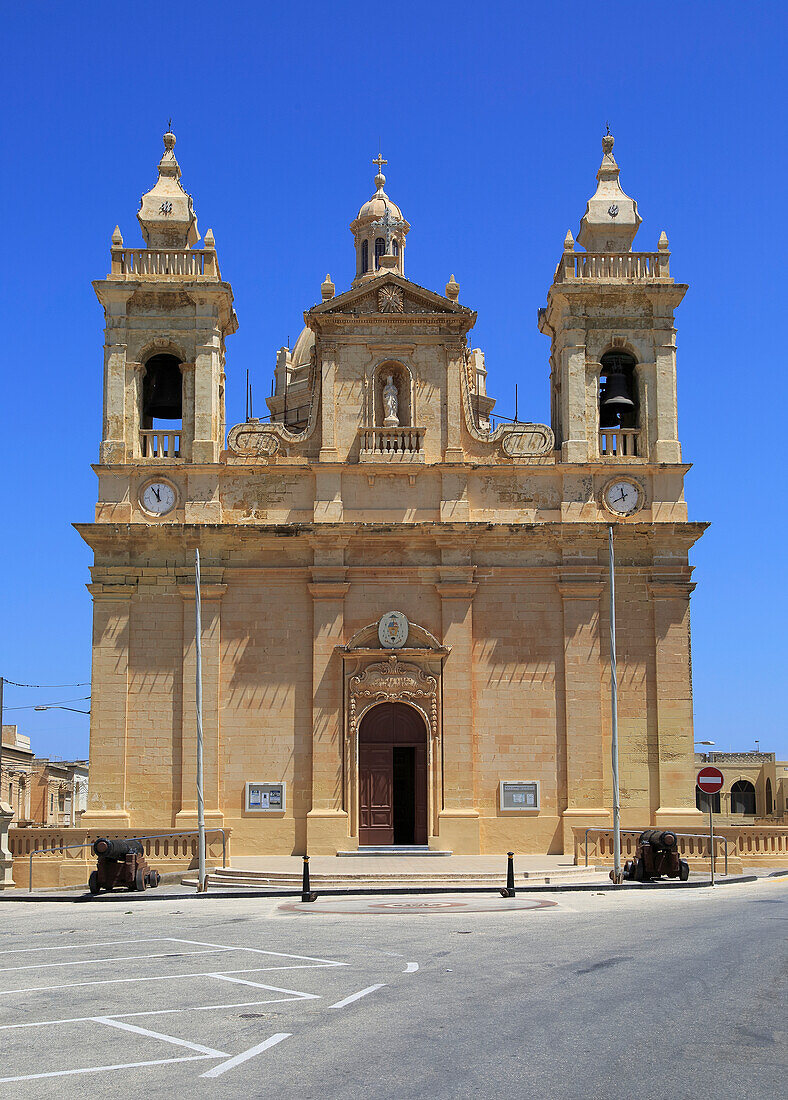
x=381, y=869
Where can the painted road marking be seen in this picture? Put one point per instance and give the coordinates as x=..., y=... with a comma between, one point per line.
x=217, y=1071
x=158, y=1035
x=411, y=968
x=261, y=951
x=99, y=962
x=87, y=946
x=154, y=978
x=259, y=985
x=105, y=1069
x=357, y=996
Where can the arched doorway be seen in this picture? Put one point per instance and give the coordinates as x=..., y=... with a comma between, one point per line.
x=392, y=775
x=743, y=797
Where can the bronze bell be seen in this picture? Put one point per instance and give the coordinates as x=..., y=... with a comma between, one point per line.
x=615, y=395
x=162, y=389
x=608, y=417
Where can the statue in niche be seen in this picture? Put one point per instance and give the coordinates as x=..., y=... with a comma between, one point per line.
x=390, y=403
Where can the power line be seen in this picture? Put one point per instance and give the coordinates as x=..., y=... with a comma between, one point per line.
x=82, y=699
x=13, y=683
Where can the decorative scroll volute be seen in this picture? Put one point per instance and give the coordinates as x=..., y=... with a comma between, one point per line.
x=251, y=440
x=389, y=681
x=528, y=441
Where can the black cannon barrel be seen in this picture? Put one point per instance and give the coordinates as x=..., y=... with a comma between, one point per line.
x=113, y=848
x=659, y=838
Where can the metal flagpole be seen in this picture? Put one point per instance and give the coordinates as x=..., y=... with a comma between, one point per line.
x=617, y=878
x=2, y=684
x=198, y=699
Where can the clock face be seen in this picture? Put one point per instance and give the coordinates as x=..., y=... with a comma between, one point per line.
x=158, y=497
x=622, y=497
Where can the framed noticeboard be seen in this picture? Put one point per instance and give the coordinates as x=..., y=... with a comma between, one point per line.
x=519, y=794
x=265, y=797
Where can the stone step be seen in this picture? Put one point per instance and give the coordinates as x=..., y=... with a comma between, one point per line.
x=283, y=880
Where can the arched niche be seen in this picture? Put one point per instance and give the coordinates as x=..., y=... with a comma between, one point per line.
x=403, y=380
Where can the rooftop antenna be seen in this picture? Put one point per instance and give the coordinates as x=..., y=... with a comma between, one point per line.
x=515, y=402
x=251, y=405
x=247, y=393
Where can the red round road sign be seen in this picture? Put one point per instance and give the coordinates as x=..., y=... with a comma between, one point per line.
x=710, y=780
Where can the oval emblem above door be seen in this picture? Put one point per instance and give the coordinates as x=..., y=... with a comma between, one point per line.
x=393, y=630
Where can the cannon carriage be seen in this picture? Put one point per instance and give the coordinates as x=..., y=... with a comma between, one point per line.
x=120, y=863
x=656, y=854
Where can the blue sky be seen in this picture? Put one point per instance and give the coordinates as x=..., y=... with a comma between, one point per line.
x=490, y=116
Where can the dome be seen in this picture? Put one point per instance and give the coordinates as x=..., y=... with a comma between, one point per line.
x=302, y=352
x=377, y=206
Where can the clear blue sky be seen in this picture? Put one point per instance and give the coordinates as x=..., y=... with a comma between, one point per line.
x=490, y=116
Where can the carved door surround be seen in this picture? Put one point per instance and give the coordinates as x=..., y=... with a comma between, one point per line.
x=411, y=675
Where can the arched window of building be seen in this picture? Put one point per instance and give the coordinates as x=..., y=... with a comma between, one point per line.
x=380, y=250
x=162, y=391
x=395, y=248
x=618, y=403
x=743, y=797
x=702, y=801
x=769, y=799
x=364, y=256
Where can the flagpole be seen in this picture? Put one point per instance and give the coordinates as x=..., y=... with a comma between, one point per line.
x=617, y=877
x=198, y=700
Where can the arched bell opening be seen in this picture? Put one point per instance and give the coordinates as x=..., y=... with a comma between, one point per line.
x=364, y=257
x=380, y=250
x=162, y=393
x=618, y=402
x=392, y=776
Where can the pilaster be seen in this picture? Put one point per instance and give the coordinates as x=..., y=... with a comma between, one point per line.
x=210, y=613
x=109, y=708
x=454, y=366
x=207, y=372
x=581, y=587
x=327, y=821
x=666, y=445
x=574, y=419
x=328, y=370
x=113, y=444
x=459, y=818
x=670, y=591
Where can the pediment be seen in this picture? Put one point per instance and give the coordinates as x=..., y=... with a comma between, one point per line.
x=390, y=296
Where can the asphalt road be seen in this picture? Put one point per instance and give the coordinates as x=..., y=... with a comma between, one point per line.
x=655, y=995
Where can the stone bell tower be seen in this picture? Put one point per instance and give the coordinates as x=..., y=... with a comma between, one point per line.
x=167, y=314
x=609, y=317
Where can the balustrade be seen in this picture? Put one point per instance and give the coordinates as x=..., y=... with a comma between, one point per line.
x=636, y=266
x=160, y=444
x=618, y=442
x=188, y=263
x=403, y=444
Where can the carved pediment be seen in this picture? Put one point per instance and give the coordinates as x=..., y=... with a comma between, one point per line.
x=391, y=296
x=393, y=679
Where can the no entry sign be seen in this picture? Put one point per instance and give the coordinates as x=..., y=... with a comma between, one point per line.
x=710, y=780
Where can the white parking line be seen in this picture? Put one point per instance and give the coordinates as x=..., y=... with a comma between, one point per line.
x=260, y=951
x=105, y=1069
x=259, y=985
x=158, y=1035
x=86, y=946
x=100, y=962
x=217, y=1071
x=357, y=996
x=156, y=978
x=411, y=968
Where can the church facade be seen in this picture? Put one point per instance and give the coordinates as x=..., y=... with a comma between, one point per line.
x=404, y=600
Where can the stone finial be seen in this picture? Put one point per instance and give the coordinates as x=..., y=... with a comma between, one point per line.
x=569, y=241
x=663, y=245
x=166, y=214
x=327, y=288
x=117, y=238
x=611, y=219
x=209, y=239
x=453, y=289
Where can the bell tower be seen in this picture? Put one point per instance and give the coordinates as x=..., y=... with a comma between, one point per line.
x=609, y=316
x=379, y=231
x=167, y=314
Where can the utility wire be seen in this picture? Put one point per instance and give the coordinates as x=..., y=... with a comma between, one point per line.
x=82, y=699
x=13, y=683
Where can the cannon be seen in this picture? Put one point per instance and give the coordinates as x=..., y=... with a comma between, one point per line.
x=656, y=854
x=120, y=863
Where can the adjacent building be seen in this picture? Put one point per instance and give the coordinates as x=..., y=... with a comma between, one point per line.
x=404, y=598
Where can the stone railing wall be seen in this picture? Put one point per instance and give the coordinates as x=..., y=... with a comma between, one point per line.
x=632, y=266
x=747, y=846
x=183, y=263
x=57, y=861
x=155, y=443
x=618, y=442
x=398, y=444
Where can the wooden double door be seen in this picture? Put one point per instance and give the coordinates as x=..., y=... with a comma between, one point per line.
x=392, y=765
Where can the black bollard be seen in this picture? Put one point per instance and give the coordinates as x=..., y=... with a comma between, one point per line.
x=306, y=892
x=509, y=892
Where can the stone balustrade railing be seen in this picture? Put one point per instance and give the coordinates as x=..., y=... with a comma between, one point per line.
x=182, y=263
x=159, y=444
x=62, y=857
x=397, y=444
x=632, y=266
x=618, y=442
x=748, y=845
